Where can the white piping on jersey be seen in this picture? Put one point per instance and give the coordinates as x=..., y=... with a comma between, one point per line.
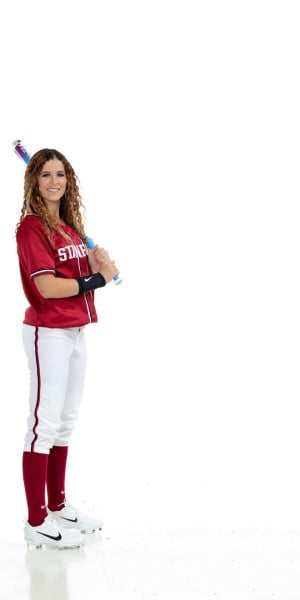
x=41, y=271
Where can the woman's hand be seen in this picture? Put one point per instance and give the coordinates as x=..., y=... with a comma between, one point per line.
x=108, y=270
x=100, y=262
x=96, y=257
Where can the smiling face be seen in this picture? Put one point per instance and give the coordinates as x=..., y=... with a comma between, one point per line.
x=52, y=182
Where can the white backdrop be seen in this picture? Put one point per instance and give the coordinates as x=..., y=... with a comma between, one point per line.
x=181, y=120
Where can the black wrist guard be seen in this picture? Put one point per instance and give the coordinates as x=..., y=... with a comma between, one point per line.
x=90, y=283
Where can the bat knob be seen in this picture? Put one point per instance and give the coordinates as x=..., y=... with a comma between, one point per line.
x=117, y=280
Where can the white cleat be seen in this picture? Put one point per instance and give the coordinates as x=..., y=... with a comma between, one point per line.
x=72, y=518
x=50, y=533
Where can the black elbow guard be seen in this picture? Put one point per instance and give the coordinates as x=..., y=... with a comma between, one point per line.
x=90, y=283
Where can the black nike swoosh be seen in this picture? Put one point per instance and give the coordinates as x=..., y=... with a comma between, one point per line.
x=72, y=520
x=52, y=537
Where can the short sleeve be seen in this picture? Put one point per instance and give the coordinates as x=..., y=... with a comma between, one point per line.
x=34, y=249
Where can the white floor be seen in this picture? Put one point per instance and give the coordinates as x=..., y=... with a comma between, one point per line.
x=164, y=565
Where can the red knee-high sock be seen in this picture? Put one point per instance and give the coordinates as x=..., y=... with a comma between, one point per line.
x=34, y=476
x=57, y=463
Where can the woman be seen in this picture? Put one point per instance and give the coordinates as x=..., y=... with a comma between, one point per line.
x=59, y=276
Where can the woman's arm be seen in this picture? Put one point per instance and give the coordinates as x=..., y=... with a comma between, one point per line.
x=50, y=286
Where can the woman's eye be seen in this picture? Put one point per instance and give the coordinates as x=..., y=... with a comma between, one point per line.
x=57, y=175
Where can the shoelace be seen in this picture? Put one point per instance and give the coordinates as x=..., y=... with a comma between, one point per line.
x=66, y=504
x=51, y=520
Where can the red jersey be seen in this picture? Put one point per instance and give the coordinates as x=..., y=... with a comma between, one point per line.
x=63, y=258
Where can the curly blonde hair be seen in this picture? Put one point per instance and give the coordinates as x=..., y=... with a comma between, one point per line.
x=71, y=205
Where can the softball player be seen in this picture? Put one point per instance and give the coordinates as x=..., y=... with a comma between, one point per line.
x=59, y=276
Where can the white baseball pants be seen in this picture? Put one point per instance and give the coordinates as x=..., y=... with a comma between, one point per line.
x=57, y=366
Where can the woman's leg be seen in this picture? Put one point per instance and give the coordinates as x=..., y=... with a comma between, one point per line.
x=64, y=513
x=58, y=454
x=48, y=352
x=56, y=474
x=34, y=477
